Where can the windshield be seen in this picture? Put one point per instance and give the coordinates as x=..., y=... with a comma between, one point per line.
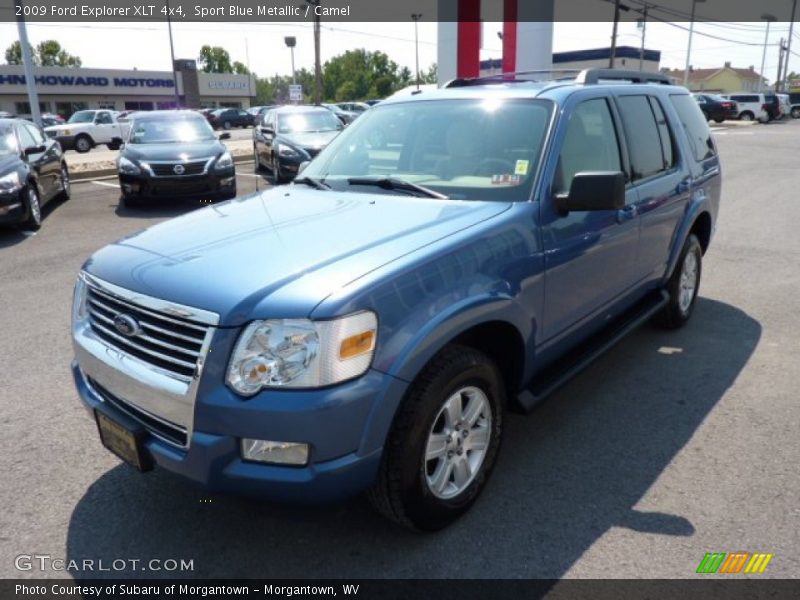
x=466, y=149
x=82, y=116
x=8, y=143
x=306, y=122
x=170, y=130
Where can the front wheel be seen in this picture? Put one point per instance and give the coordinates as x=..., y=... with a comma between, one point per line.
x=746, y=116
x=683, y=286
x=65, y=187
x=719, y=119
x=34, y=220
x=796, y=113
x=443, y=443
x=83, y=144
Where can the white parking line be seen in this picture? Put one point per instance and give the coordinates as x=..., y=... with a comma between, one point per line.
x=107, y=184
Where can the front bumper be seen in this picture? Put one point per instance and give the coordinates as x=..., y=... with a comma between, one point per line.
x=12, y=207
x=215, y=184
x=67, y=142
x=334, y=421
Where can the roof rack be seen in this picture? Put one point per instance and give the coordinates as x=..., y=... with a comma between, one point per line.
x=593, y=76
x=516, y=77
x=585, y=76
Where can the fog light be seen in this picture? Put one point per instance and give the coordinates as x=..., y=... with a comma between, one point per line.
x=280, y=453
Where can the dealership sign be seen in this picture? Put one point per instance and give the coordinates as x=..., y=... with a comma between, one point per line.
x=70, y=80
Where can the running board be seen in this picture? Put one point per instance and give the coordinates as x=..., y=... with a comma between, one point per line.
x=564, y=369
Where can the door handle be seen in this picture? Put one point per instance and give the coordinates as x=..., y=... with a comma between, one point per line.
x=684, y=186
x=627, y=213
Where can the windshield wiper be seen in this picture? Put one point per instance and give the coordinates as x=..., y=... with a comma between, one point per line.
x=391, y=183
x=315, y=183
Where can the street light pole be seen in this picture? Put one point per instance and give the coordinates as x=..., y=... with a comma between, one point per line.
x=317, y=65
x=416, y=17
x=689, y=47
x=613, y=54
x=291, y=42
x=172, y=54
x=769, y=19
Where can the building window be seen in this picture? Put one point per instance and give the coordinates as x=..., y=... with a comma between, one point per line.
x=230, y=105
x=65, y=109
x=208, y=104
x=107, y=105
x=24, y=108
x=138, y=106
x=168, y=105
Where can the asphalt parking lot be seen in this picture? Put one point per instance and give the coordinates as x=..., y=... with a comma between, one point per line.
x=670, y=446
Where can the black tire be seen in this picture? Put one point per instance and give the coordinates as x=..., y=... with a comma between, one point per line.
x=130, y=201
x=675, y=314
x=114, y=146
x=719, y=119
x=796, y=113
x=402, y=492
x=83, y=143
x=276, y=171
x=746, y=116
x=33, y=207
x=256, y=160
x=65, y=184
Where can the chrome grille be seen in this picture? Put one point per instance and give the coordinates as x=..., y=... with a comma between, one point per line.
x=167, y=169
x=166, y=342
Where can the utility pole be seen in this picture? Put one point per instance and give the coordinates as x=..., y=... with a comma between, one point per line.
x=27, y=62
x=769, y=19
x=789, y=45
x=613, y=54
x=644, y=33
x=778, y=80
x=689, y=48
x=317, y=65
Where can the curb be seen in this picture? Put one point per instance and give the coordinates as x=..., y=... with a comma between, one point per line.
x=112, y=173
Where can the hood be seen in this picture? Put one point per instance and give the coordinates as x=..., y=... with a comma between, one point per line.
x=8, y=163
x=311, y=140
x=172, y=151
x=282, y=251
x=63, y=126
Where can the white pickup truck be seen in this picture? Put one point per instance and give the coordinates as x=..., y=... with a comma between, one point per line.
x=87, y=129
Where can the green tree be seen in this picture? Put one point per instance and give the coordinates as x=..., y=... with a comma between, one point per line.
x=239, y=68
x=14, y=54
x=214, y=59
x=430, y=76
x=51, y=54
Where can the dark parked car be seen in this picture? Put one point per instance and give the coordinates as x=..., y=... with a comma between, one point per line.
x=772, y=104
x=32, y=172
x=345, y=116
x=717, y=108
x=171, y=154
x=291, y=135
x=225, y=118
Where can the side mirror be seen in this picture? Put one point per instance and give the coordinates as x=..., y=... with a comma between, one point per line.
x=302, y=166
x=594, y=190
x=224, y=136
x=35, y=149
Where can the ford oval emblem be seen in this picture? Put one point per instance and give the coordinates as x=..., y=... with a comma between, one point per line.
x=127, y=325
x=178, y=169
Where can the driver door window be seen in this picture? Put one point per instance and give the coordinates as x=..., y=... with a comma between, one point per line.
x=590, y=144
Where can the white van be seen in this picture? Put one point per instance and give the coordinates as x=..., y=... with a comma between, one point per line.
x=751, y=106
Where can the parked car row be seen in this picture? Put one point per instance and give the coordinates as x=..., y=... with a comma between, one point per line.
x=747, y=106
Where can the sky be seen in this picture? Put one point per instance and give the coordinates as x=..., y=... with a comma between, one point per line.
x=146, y=45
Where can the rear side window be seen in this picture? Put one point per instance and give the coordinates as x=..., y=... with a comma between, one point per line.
x=645, y=144
x=695, y=126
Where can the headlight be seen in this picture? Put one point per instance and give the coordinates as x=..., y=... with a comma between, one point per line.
x=128, y=167
x=225, y=161
x=287, y=151
x=79, y=298
x=299, y=353
x=10, y=182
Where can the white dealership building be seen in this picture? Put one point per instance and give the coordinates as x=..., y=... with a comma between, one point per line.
x=64, y=90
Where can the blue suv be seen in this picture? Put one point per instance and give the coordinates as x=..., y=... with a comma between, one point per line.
x=450, y=255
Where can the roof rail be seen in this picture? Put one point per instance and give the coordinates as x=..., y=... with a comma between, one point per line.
x=593, y=76
x=515, y=77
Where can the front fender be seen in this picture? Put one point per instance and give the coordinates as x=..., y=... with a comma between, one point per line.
x=425, y=342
